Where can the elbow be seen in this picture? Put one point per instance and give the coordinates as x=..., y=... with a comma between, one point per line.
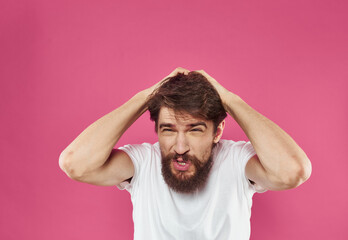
x=65, y=164
x=306, y=171
x=302, y=175
x=62, y=162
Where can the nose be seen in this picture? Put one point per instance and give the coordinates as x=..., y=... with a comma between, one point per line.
x=181, y=145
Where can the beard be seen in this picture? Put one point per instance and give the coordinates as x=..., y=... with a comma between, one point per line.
x=182, y=183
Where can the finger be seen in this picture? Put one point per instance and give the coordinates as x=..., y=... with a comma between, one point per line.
x=182, y=70
x=200, y=72
x=179, y=70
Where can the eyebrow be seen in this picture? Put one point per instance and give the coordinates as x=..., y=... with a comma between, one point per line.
x=169, y=125
x=162, y=125
x=199, y=124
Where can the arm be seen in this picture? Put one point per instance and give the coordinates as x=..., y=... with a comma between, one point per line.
x=280, y=163
x=91, y=158
x=92, y=148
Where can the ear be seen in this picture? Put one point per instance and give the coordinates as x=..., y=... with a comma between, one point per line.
x=219, y=131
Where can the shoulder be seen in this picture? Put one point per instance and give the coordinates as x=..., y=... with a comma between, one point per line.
x=231, y=146
x=139, y=150
x=137, y=146
x=236, y=152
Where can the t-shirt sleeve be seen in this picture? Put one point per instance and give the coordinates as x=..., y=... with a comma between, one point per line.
x=247, y=152
x=137, y=153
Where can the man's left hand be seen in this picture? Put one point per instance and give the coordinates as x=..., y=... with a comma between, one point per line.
x=223, y=92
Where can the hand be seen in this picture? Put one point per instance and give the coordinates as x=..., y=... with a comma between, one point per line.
x=175, y=72
x=223, y=92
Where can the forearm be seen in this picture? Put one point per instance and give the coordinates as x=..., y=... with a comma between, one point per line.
x=278, y=152
x=92, y=147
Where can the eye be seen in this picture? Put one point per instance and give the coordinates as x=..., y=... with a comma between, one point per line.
x=167, y=130
x=196, y=130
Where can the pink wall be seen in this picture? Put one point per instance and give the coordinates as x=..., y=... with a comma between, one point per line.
x=64, y=64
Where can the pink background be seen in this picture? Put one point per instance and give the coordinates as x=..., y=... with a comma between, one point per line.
x=64, y=64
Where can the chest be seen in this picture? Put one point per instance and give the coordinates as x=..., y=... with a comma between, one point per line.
x=219, y=208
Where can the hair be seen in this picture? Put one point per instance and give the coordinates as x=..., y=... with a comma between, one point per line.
x=192, y=94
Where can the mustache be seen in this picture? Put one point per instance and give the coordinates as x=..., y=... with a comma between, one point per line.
x=186, y=157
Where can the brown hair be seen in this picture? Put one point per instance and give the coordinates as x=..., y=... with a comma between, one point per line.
x=192, y=94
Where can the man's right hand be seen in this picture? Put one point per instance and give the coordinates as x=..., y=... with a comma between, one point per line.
x=91, y=158
x=172, y=74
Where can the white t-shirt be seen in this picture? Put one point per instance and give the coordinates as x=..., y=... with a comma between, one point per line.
x=221, y=210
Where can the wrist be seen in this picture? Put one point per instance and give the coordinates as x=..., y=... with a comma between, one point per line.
x=140, y=99
x=144, y=94
x=228, y=98
x=230, y=101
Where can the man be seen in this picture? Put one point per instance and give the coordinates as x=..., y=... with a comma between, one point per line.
x=190, y=184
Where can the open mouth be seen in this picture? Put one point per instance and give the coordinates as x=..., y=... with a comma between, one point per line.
x=181, y=165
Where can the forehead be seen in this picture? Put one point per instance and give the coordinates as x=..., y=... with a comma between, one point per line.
x=168, y=115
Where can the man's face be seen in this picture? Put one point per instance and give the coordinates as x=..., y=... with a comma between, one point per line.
x=186, y=145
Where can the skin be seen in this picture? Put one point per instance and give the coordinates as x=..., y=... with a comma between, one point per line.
x=279, y=164
x=185, y=134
